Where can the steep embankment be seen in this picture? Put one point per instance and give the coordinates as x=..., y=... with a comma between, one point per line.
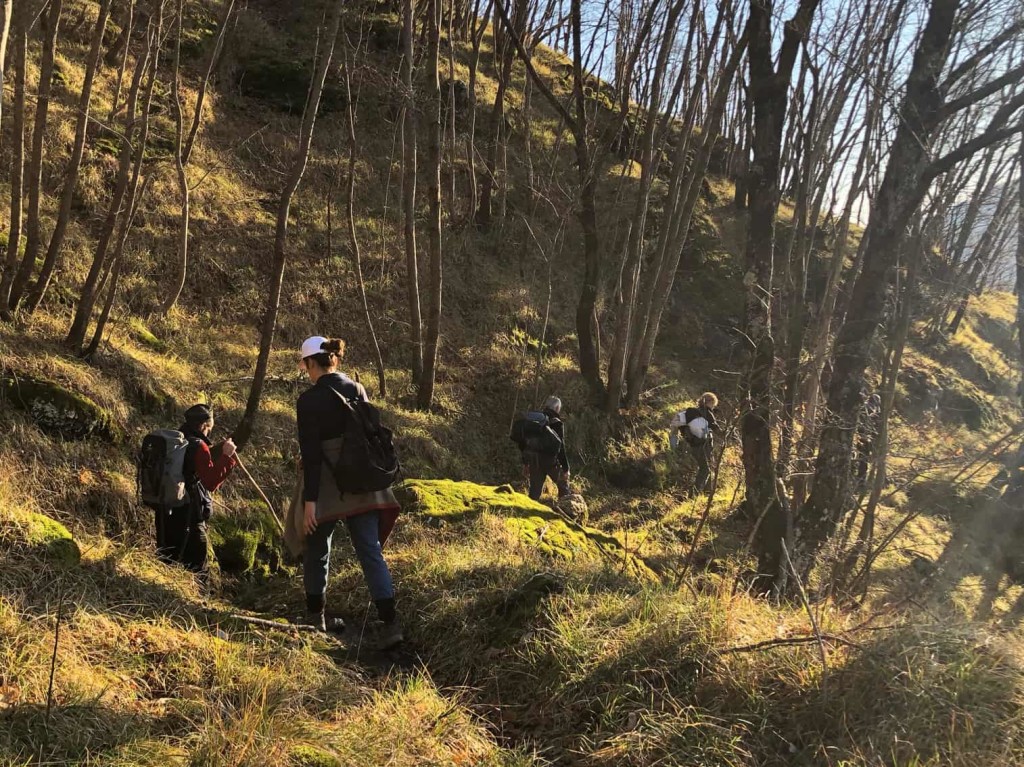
x=630, y=642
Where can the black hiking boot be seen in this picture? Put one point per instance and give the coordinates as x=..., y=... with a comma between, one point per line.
x=389, y=630
x=317, y=618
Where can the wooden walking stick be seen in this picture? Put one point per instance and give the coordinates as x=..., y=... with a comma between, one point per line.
x=273, y=511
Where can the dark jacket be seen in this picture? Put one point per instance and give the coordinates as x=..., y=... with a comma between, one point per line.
x=558, y=427
x=702, y=411
x=203, y=474
x=320, y=417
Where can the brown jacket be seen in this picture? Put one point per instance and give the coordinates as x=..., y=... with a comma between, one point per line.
x=333, y=505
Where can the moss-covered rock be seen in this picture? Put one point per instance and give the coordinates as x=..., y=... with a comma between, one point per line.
x=58, y=410
x=536, y=524
x=40, y=536
x=245, y=542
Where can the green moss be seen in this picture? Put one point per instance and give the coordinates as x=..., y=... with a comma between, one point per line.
x=44, y=537
x=244, y=542
x=311, y=756
x=143, y=335
x=60, y=411
x=536, y=524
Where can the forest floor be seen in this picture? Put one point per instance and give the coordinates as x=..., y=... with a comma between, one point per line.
x=532, y=639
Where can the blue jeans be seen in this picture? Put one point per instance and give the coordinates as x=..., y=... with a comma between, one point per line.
x=364, y=530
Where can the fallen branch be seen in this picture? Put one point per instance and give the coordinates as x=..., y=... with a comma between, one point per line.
x=771, y=644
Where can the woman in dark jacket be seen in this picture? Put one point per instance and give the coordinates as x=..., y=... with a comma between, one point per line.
x=369, y=517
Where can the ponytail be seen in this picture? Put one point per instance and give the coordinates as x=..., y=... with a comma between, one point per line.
x=333, y=349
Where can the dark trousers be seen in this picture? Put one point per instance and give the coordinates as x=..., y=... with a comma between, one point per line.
x=181, y=537
x=702, y=455
x=541, y=467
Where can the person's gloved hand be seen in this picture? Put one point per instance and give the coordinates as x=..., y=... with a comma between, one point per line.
x=228, y=448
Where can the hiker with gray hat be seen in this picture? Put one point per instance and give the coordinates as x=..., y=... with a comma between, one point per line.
x=540, y=436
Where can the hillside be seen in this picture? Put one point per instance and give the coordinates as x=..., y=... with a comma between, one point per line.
x=625, y=638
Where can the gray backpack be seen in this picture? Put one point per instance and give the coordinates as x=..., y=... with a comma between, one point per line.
x=161, y=469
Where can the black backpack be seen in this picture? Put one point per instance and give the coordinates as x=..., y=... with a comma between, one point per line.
x=160, y=469
x=368, y=460
x=532, y=431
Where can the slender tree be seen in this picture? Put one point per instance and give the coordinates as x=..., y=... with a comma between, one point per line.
x=425, y=393
x=294, y=178
x=51, y=24
x=409, y=190
x=20, y=39
x=60, y=226
x=769, y=86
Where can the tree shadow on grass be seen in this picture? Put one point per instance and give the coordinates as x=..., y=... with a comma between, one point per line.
x=73, y=733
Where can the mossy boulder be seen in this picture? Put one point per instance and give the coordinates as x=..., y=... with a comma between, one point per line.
x=549, y=531
x=245, y=542
x=40, y=536
x=58, y=410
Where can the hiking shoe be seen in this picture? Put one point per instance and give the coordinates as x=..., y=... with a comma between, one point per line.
x=389, y=635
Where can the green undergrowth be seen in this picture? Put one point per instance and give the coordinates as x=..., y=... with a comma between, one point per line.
x=550, y=531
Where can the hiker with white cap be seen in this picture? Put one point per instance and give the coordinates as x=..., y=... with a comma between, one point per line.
x=540, y=436
x=697, y=425
x=348, y=464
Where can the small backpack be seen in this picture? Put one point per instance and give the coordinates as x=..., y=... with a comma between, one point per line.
x=532, y=431
x=160, y=469
x=368, y=460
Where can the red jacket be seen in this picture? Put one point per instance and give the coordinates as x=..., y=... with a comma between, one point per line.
x=212, y=473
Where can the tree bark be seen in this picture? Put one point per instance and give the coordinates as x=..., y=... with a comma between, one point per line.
x=60, y=226
x=409, y=191
x=134, y=194
x=898, y=196
x=91, y=288
x=51, y=23
x=17, y=160
x=245, y=427
x=382, y=385
x=425, y=394
x=6, y=11
x=769, y=86
x=1020, y=254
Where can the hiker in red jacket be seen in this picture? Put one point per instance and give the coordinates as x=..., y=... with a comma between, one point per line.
x=182, y=536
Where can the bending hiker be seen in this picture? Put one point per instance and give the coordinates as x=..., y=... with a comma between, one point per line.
x=697, y=425
x=177, y=474
x=540, y=436
x=335, y=421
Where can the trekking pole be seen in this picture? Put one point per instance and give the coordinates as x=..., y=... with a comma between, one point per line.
x=273, y=511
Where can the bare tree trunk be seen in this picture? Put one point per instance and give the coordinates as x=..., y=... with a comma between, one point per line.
x=120, y=48
x=503, y=71
x=382, y=385
x=134, y=194
x=17, y=159
x=425, y=394
x=60, y=226
x=1020, y=254
x=409, y=191
x=6, y=11
x=895, y=202
x=769, y=93
x=184, y=145
x=90, y=289
x=474, y=66
x=51, y=23
x=684, y=195
x=316, y=86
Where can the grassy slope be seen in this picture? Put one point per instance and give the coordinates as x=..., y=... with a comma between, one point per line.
x=567, y=656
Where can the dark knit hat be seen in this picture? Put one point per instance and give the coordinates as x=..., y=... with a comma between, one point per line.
x=197, y=415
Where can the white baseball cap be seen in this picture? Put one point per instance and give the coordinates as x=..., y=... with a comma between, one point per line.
x=313, y=345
